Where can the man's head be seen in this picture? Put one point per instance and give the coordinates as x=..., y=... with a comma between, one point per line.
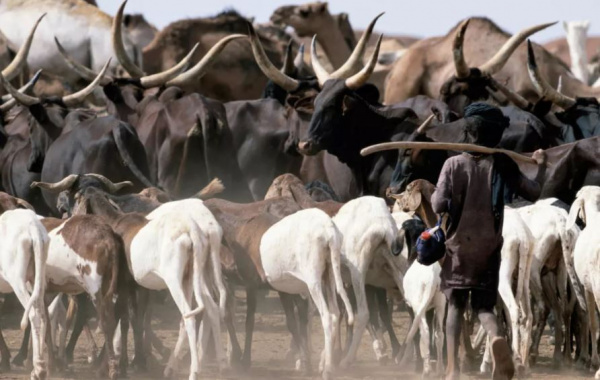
x=484, y=125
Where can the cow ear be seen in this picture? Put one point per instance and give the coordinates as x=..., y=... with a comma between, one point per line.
x=577, y=210
x=413, y=200
x=321, y=7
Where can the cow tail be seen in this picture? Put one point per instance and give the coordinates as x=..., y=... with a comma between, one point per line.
x=335, y=248
x=39, y=246
x=127, y=159
x=117, y=255
x=567, y=239
x=199, y=253
x=215, y=248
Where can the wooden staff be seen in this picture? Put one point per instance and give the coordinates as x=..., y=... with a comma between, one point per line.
x=444, y=146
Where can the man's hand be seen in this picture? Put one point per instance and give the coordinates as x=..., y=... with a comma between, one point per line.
x=540, y=157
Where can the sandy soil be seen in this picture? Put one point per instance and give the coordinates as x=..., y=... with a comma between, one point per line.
x=271, y=342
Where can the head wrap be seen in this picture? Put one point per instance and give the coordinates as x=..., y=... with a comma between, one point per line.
x=484, y=125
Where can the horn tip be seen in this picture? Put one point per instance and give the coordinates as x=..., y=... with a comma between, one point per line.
x=530, y=55
x=34, y=184
x=36, y=76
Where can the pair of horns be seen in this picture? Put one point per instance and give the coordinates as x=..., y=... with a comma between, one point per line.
x=67, y=182
x=173, y=76
x=542, y=87
x=69, y=100
x=497, y=62
x=352, y=70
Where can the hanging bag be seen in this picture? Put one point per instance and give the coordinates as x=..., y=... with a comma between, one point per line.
x=431, y=244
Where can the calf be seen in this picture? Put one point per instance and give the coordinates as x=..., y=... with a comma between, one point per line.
x=422, y=292
x=302, y=254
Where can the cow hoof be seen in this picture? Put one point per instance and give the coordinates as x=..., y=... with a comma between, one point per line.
x=520, y=369
x=168, y=372
x=18, y=360
x=5, y=365
x=327, y=375
x=582, y=364
x=485, y=367
x=39, y=376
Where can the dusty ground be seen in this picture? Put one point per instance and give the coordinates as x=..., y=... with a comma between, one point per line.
x=271, y=342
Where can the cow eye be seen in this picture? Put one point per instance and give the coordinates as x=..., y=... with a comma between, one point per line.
x=304, y=13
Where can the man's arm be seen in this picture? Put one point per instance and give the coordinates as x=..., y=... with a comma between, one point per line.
x=440, y=200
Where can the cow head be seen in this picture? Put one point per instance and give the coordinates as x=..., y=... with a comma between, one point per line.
x=47, y=116
x=339, y=94
x=70, y=188
x=470, y=84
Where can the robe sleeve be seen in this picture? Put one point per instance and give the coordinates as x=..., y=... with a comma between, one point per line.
x=440, y=200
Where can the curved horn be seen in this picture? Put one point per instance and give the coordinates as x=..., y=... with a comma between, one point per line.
x=542, y=87
x=360, y=78
x=354, y=63
x=158, y=79
x=119, y=47
x=24, y=99
x=79, y=96
x=25, y=89
x=15, y=67
x=279, y=78
x=423, y=127
x=288, y=60
x=510, y=95
x=498, y=61
x=462, y=69
x=112, y=187
x=320, y=71
x=200, y=68
x=57, y=187
x=77, y=67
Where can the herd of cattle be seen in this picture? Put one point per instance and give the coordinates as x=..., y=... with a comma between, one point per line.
x=217, y=154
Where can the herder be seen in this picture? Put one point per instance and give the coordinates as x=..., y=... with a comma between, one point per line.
x=472, y=189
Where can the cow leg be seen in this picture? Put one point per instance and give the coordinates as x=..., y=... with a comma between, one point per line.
x=331, y=297
x=122, y=314
x=549, y=286
x=234, y=351
x=181, y=291
x=362, y=315
x=385, y=315
x=583, y=322
x=374, y=326
x=20, y=357
x=139, y=299
x=317, y=294
x=566, y=305
x=250, y=314
x=505, y=289
x=5, y=352
x=81, y=317
x=540, y=309
x=287, y=302
x=590, y=301
x=106, y=318
x=440, y=311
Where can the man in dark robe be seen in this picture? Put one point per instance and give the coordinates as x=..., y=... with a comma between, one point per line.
x=472, y=189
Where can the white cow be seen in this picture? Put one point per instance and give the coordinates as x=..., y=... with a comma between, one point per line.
x=23, y=254
x=553, y=244
x=586, y=256
x=368, y=233
x=301, y=254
